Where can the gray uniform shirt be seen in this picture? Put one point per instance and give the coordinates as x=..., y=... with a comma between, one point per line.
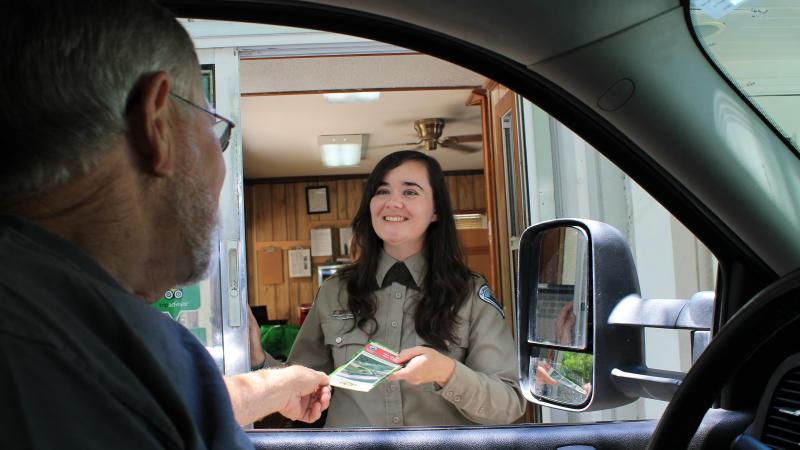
x=483, y=388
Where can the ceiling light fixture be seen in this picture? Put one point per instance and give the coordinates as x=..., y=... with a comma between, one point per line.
x=341, y=150
x=352, y=97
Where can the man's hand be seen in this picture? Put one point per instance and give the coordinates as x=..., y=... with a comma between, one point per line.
x=424, y=365
x=296, y=392
x=308, y=393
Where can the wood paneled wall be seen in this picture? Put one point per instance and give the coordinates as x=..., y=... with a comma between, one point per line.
x=276, y=218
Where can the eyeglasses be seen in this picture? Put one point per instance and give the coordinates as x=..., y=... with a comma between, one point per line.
x=222, y=126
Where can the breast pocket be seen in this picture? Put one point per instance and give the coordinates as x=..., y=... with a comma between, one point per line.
x=343, y=342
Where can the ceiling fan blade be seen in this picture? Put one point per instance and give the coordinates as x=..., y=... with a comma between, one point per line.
x=463, y=138
x=462, y=147
x=400, y=144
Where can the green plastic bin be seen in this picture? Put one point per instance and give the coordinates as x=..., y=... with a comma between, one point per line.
x=277, y=340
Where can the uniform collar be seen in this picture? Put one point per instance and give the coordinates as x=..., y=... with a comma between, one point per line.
x=416, y=265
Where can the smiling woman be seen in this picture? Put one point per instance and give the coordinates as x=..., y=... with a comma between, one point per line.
x=411, y=291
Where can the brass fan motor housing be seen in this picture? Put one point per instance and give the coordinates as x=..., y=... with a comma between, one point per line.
x=429, y=132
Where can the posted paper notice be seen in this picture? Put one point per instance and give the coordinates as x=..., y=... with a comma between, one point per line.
x=299, y=263
x=321, y=242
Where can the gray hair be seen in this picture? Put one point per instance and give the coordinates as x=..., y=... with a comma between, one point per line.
x=69, y=70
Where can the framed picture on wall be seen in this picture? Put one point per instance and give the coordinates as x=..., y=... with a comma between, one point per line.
x=207, y=75
x=317, y=200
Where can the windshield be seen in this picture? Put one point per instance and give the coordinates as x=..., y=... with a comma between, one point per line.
x=756, y=43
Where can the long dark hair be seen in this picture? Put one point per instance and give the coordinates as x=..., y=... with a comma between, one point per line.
x=447, y=283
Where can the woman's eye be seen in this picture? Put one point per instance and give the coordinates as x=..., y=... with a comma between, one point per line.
x=382, y=192
x=410, y=193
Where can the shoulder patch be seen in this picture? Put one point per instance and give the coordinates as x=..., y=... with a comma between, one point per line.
x=485, y=294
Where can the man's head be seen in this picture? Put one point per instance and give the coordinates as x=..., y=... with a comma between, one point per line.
x=70, y=70
x=84, y=80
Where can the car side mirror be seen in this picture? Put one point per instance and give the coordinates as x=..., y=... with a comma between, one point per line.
x=572, y=275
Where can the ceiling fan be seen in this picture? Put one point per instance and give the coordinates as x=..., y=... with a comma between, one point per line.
x=429, y=132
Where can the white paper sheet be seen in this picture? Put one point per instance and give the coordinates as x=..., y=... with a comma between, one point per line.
x=299, y=263
x=321, y=243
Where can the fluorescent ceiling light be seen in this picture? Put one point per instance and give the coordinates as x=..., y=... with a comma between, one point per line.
x=341, y=150
x=352, y=97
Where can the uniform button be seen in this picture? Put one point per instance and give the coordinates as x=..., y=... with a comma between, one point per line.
x=449, y=393
x=394, y=324
x=392, y=387
x=395, y=419
x=481, y=410
x=397, y=295
x=457, y=398
x=338, y=339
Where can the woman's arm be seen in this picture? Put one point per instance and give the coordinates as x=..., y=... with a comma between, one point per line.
x=484, y=387
x=259, y=358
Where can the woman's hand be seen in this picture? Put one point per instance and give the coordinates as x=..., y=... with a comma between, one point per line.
x=565, y=324
x=543, y=374
x=424, y=365
x=257, y=354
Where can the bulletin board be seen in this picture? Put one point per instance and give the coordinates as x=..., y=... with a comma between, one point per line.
x=270, y=266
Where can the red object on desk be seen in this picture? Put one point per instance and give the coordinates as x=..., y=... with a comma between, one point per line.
x=304, y=309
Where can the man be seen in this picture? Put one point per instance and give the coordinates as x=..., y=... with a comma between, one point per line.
x=109, y=184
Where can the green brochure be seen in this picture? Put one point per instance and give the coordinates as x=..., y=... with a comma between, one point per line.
x=367, y=369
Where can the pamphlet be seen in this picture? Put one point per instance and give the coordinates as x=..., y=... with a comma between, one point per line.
x=564, y=381
x=367, y=369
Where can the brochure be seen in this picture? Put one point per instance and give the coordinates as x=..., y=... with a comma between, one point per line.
x=564, y=381
x=367, y=369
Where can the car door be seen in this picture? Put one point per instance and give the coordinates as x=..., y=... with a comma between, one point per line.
x=602, y=71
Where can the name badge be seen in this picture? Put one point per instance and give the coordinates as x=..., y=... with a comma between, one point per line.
x=341, y=314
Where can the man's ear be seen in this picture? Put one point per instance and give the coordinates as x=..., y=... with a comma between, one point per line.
x=151, y=126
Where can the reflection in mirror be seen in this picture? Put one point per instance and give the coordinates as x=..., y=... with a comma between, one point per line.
x=561, y=313
x=562, y=376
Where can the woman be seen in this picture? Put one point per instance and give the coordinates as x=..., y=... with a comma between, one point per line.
x=410, y=290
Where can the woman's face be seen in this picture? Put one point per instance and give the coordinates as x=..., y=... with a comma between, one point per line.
x=402, y=208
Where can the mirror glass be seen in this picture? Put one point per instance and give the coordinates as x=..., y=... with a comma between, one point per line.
x=560, y=300
x=562, y=376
